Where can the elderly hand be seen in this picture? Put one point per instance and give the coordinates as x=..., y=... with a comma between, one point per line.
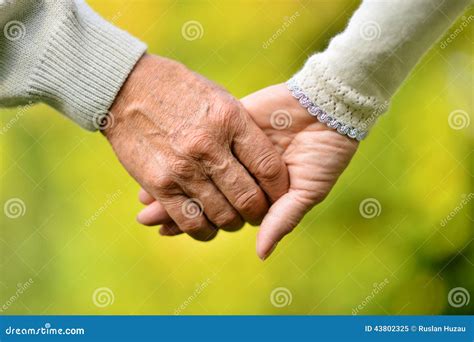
x=314, y=154
x=194, y=148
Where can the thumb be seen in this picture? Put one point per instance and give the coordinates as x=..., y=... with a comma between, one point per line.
x=280, y=220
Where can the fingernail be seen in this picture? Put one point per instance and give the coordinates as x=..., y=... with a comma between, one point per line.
x=163, y=233
x=265, y=257
x=142, y=215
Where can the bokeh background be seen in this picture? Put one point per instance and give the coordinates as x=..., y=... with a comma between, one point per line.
x=78, y=246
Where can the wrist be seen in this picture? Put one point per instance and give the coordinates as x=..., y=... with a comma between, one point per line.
x=84, y=64
x=126, y=97
x=324, y=117
x=334, y=102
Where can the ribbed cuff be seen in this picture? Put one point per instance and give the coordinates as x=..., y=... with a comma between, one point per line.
x=84, y=66
x=344, y=108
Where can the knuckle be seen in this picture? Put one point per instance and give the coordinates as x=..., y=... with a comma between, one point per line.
x=184, y=169
x=248, y=200
x=226, y=106
x=164, y=183
x=198, y=230
x=199, y=146
x=226, y=219
x=268, y=167
x=193, y=226
x=227, y=112
x=190, y=227
x=218, y=166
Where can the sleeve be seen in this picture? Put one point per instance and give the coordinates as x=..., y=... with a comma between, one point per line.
x=64, y=54
x=350, y=84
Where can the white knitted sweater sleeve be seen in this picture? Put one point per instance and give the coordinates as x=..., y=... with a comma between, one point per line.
x=350, y=84
x=64, y=54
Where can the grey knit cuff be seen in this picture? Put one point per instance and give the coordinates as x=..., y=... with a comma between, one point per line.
x=84, y=66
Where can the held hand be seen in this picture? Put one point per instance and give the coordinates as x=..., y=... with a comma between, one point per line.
x=314, y=154
x=189, y=143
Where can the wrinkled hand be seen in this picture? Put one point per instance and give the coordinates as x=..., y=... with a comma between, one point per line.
x=194, y=148
x=314, y=154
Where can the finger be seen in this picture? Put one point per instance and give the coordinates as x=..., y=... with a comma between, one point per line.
x=281, y=219
x=239, y=188
x=153, y=214
x=144, y=197
x=222, y=215
x=215, y=205
x=256, y=152
x=186, y=212
x=170, y=229
x=188, y=215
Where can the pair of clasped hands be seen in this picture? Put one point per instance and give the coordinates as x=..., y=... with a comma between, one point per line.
x=207, y=161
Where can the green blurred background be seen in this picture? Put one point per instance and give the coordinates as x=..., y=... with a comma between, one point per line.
x=414, y=164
